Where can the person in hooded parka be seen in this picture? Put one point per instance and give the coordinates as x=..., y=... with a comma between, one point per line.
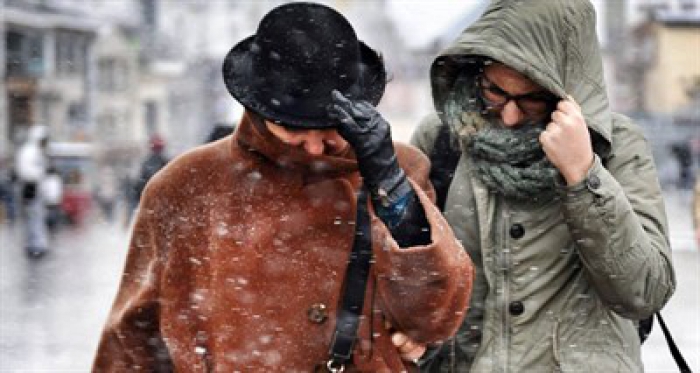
x=555, y=197
x=240, y=247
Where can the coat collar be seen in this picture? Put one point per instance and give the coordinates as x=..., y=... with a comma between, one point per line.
x=252, y=135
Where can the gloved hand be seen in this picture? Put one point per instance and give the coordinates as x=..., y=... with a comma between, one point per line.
x=361, y=125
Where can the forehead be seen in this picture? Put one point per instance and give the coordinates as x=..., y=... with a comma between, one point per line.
x=278, y=129
x=509, y=79
x=282, y=131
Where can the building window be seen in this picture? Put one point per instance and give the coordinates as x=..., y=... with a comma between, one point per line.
x=109, y=127
x=25, y=53
x=149, y=13
x=71, y=53
x=113, y=75
x=20, y=110
x=688, y=5
x=77, y=114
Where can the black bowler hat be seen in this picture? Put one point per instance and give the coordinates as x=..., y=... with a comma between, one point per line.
x=300, y=53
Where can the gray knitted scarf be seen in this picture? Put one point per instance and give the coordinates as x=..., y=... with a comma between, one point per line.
x=509, y=161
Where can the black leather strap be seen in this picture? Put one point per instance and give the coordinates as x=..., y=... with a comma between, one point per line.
x=348, y=317
x=443, y=162
x=677, y=356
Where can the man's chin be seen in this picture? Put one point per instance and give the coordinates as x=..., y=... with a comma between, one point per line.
x=522, y=126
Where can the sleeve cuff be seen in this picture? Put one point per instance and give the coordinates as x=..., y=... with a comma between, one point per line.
x=590, y=184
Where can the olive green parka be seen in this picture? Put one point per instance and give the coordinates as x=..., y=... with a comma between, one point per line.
x=560, y=282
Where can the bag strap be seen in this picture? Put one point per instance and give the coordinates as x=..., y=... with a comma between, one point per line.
x=677, y=356
x=443, y=161
x=348, y=315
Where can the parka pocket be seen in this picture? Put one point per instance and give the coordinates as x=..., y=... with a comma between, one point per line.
x=580, y=351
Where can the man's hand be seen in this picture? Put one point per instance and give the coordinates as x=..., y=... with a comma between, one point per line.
x=362, y=126
x=567, y=143
x=370, y=136
x=408, y=349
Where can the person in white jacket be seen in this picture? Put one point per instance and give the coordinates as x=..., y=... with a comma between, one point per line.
x=51, y=191
x=31, y=168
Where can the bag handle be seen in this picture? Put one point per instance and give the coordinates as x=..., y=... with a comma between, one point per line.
x=677, y=356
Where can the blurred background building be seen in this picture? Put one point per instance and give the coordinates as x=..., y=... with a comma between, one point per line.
x=106, y=76
x=654, y=76
x=112, y=73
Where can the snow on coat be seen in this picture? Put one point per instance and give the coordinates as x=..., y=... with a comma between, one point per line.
x=237, y=262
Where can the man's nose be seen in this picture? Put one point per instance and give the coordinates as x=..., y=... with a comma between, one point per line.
x=511, y=115
x=314, y=143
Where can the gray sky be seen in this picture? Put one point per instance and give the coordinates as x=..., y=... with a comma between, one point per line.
x=419, y=21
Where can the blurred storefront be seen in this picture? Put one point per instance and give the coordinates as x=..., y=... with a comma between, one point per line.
x=48, y=72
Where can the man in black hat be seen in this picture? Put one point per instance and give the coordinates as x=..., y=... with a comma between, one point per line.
x=263, y=252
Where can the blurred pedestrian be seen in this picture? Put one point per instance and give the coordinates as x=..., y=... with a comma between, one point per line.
x=240, y=248
x=681, y=151
x=106, y=192
x=155, y=160
x=219, y=131
x=31, y=164
x=128, y=194
x=696, y=211
x=51, y=191
x=152, y=164
x=7, y=191
x=554, y=196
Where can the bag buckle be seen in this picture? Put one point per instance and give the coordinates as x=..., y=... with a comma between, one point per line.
x=335, y=366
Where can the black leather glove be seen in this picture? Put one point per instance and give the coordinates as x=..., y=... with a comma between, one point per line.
x=361, y=125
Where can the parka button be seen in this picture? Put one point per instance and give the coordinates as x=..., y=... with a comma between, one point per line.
x=593, y=182
x=318, y=313
x=517, y=231
x=516, y=308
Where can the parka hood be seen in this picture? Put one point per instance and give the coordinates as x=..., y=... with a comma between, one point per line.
x=554, y=43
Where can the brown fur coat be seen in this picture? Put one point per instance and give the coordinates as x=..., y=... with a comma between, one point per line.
x=237, y=241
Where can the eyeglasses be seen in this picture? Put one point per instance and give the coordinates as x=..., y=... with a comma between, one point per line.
x=533, y=104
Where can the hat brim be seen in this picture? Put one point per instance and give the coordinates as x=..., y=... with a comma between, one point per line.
x=243, y=85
